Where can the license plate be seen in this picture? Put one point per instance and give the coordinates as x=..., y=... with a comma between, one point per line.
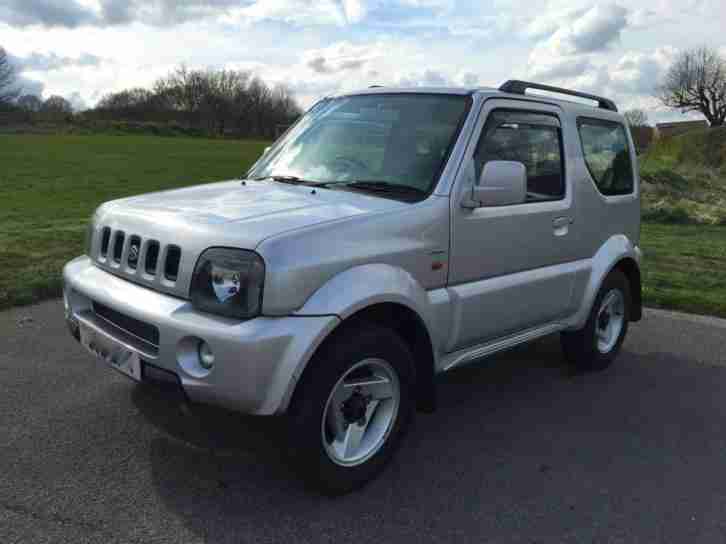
x=124, y=360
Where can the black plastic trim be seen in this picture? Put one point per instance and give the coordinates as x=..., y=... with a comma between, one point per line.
x=515, y=86
x=141, y=330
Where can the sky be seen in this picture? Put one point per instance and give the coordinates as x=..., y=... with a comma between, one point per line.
x=82, y=49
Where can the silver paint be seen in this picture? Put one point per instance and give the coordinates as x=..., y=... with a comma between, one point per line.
x=480, y=279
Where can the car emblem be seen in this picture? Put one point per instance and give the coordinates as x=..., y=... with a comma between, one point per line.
x=133, y=254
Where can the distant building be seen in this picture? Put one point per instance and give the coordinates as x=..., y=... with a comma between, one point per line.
x=666, y=130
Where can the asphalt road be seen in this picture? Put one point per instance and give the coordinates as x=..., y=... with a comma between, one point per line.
x=519, y=451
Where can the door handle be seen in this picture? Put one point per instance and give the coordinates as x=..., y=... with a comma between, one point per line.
x=561, y=225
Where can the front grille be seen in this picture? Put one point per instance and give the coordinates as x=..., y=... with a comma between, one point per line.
x=140, y=329
x=133, y=255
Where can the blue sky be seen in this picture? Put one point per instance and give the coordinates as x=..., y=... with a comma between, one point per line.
x=82, y=49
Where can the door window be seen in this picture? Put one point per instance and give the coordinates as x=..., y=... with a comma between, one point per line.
x=535, y=140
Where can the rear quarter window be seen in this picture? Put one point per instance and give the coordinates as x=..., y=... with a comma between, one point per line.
x=607, y=155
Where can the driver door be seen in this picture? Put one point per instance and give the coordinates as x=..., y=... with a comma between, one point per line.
x=510, y=267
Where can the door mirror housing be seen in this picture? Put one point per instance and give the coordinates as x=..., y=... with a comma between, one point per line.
x=267, y=149
x=502, y=183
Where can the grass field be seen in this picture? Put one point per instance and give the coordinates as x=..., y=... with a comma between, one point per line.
x=50, y=185
x=684, y=179
x=684, y=267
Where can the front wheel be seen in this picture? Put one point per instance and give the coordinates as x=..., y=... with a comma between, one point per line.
x=597, y=344
x=351, y=408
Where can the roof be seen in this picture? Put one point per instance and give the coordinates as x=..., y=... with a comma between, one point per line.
x=489, y=92
x=414, y=90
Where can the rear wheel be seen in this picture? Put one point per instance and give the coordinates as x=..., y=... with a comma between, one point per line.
x=597, y=344
x=352, y=408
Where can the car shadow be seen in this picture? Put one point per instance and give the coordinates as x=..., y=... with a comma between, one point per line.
x=515, y=437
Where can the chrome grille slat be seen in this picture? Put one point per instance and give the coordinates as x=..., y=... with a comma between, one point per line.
x=141, y=266
x=125, y=252
x=119, y=238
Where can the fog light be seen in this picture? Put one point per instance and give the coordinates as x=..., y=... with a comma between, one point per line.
x=206, y=357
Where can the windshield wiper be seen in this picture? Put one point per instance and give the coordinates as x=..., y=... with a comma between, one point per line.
x=292, y=180
x=384, y=187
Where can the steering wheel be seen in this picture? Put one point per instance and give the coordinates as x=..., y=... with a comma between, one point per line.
x=349, y=163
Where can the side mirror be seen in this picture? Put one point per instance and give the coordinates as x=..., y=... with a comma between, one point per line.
x=502, y=183
x=267, y=149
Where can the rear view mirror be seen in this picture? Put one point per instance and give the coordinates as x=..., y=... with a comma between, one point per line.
x=502, y=183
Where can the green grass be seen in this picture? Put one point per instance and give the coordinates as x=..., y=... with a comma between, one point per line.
x=704, y=147
x=684, y=179
x=50, y=185
x=684, y=267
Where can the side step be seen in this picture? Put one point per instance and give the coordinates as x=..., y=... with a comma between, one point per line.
x=474, y=353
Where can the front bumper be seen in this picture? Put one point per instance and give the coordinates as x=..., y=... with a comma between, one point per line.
x=257, y=362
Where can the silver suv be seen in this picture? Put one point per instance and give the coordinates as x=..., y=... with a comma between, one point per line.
x=388, y=236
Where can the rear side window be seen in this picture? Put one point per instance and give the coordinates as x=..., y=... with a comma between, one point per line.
x=535, y=140
x=607, y=155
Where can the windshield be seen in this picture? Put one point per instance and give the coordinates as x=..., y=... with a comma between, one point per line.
x=389, y=139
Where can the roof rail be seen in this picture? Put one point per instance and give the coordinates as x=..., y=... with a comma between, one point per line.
x=520, y=87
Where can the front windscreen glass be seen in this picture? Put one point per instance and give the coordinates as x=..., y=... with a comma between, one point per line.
x=392, y=140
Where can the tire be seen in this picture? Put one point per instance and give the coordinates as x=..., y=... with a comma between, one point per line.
x=586, y=349
x=361, y=353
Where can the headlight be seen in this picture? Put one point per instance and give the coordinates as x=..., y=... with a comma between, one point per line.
x=229, y=282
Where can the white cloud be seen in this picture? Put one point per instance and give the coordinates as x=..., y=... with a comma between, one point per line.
x=592, y=31
x=354, y=10
x=65, y=13
x=44, y=62
x=28, y=85
x=546, y=24
x=78, y=103
x=640, y=72
x=320, y=12
x=321, y=47
x=571, y=52
x=342, y=57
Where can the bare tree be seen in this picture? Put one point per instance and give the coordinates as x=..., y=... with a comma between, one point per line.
x=30, y=103
x=57, y=104
x=216, y=101
x=696, y=82
x=636, y=118
x=137, y=104
x=8, y=92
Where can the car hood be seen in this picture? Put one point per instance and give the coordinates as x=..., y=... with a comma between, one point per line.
x=230, y=213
